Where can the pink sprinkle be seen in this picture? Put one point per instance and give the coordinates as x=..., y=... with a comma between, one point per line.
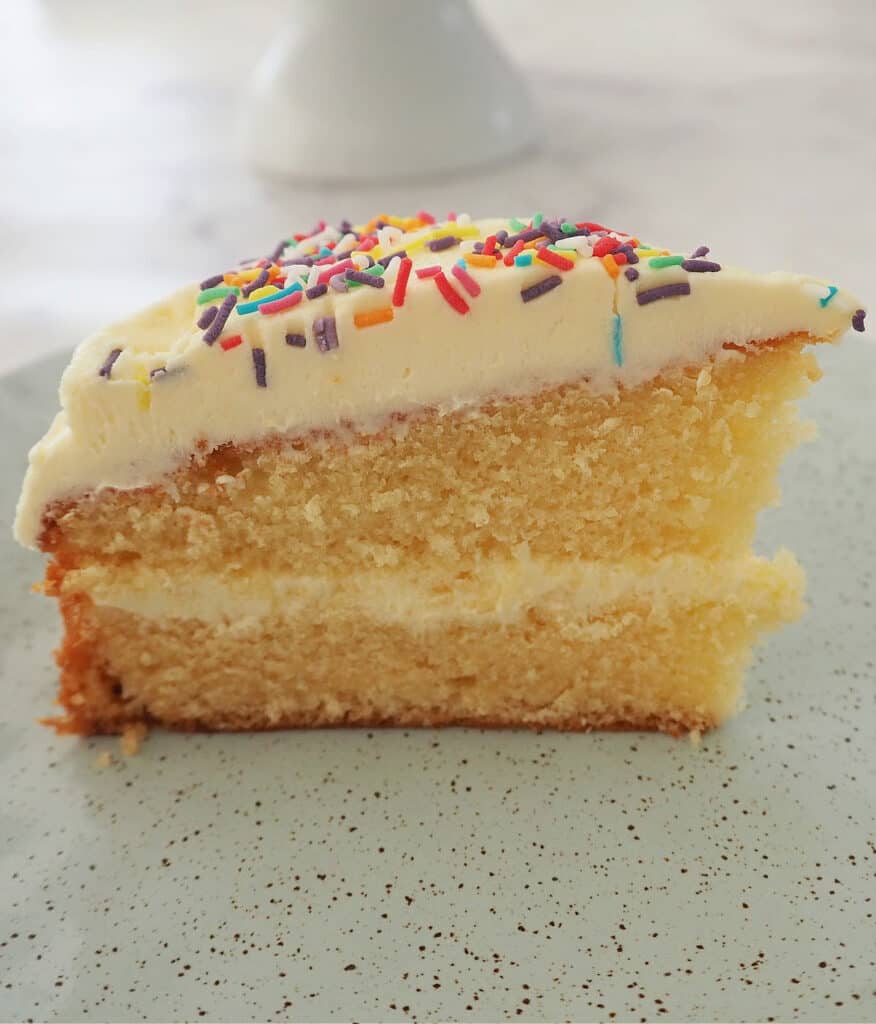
x=278, y=305
x=335, y=268
x=466, y=280
x=428, y=271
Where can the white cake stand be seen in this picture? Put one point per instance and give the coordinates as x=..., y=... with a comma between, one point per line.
x=380, y=89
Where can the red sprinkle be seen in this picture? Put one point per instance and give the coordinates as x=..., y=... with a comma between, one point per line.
x=620, y=258
x=450, y=294
x=451, y=215
x=401, y=281
x=605, y=245
x=466, y=280
x=422, y=272
x=590, y=225
x=489, y=245
x=515, y=250
x=554, y=259
x=278, y=305
x=426, y=218
x=233, y=342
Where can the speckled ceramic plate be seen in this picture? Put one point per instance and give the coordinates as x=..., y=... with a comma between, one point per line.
x=462, y=875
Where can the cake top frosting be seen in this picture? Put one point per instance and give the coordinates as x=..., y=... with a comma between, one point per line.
x=344, y=325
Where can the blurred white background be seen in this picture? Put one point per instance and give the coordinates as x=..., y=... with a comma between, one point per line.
x=747, y=126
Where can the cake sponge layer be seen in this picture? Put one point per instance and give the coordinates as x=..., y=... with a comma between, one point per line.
x=679, y=464
x=674, y=664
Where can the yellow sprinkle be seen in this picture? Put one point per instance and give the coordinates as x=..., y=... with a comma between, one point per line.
x=375, y=253
x=260, y=293
x=144, y=392
x=461, y=231
x=373, y=316
x=611, y=267
x=650, y=252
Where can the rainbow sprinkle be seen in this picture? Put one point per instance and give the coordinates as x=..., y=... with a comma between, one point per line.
x=332, y=260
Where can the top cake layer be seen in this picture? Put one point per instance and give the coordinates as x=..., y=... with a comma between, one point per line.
x=347, y=325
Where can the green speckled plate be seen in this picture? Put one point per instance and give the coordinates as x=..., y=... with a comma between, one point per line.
x=462, y=875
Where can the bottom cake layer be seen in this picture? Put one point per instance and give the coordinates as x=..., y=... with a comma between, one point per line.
x=633, y=662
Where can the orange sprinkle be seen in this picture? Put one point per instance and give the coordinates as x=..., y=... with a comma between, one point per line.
x=610, y=265
x=374, y=316
x=476, y=259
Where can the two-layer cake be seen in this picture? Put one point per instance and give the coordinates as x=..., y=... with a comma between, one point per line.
x=412, y=472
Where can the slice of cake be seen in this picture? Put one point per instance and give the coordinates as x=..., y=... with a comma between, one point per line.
x=497, y=472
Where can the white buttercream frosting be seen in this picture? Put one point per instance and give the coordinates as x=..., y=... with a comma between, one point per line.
x=167, y=391
x=499, y=594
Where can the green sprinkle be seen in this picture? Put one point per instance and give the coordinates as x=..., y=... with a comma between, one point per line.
x=376, y=271
x=567, y=226
x=518, y=225
x=219, y=292
x=537, y=219
x=658, y=262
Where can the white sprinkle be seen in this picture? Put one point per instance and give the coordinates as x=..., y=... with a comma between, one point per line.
x=360, y=259
x=392, y=269
x=579, y=243
x=313, y=275
x=463, y=218
x=468, y=244
x=345, y=244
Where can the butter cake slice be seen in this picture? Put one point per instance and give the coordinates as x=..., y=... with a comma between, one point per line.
x=418, y=473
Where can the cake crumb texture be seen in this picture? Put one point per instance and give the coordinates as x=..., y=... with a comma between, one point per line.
x=680, y=464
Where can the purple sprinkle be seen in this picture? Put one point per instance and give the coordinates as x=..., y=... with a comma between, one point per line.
x=258, y=361
x=107, y=367
x=345, y=227
x=298, y=261
x=632, y=257
x=360, y=277
x=700, y=266
x=296, y=340
x=380, y=224
x=703, y=250
x=384, y=261
x=206, y=318
x=478, y=247
x=256, y=282
x=338, y=283
x=626, y=248
x=522, y=236
x=665, y=291
x=278, y=251
x=437, y=244
x=326, y=332
x=211, y=282
x=220, y=319
x=545, y=285
x=858, y=319
x=501, y=236
x=631, y=274
x=316, y=291
x=552, y=229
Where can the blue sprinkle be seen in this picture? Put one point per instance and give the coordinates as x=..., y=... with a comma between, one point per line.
x=461, y=263
x=523, y=260
x=617, y=335
x=325, y=251
x=251, y=307
x=831, y=291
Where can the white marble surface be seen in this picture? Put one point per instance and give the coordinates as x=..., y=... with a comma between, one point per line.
x=749, y=126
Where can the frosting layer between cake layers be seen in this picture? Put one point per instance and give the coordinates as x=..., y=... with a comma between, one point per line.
x=347, y=326
x=500, y=594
